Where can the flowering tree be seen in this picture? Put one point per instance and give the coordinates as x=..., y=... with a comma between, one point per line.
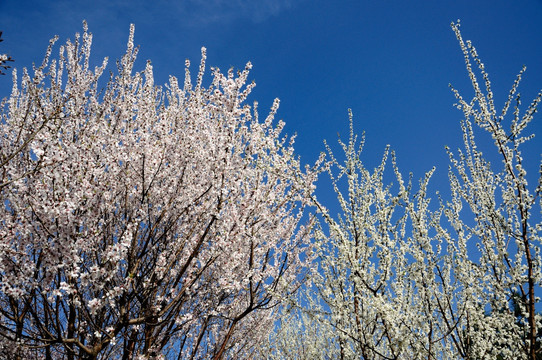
x=141, y=221
x=400, y=278
x=503, y=219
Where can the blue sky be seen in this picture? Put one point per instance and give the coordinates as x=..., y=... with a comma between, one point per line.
x=389, y=61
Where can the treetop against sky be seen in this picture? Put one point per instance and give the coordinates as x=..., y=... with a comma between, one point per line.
x=146, y=220
x=390, y=62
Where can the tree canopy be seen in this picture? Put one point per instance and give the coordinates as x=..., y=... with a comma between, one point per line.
x=141, y=221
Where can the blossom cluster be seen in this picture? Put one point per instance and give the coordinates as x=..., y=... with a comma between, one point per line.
x=404, y=277
x=140, y=220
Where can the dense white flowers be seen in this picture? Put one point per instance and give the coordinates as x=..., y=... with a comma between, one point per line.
x=401, y=277
x=149, y=222
x=139, y=220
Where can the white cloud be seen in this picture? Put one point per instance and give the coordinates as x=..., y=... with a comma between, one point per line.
x=205, y=12
x=227, y=10
x=186, y=13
